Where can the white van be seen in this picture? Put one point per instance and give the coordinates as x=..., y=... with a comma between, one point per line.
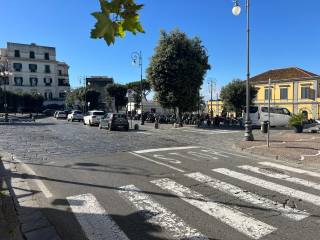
x=279, y=116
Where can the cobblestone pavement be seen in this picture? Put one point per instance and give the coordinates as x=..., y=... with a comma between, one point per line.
x=286, y=145
x=50, y=138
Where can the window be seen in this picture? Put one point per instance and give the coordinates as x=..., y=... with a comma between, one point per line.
x=283, y=93
x=62, y=95
x=16, y=53
x=60, y=72
x=33, y=67
x=47, y=69
x=62, y=82
x=305, y=92
x=4, y=81
x=18, y=81
x=46, y=56
x=33, y=81
x=45, y=96
x=47, y=81
x=266, y=94
x=50, y=95
x=17, y=67
x=31, y=55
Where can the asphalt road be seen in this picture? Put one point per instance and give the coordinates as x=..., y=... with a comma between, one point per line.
x=181, y=183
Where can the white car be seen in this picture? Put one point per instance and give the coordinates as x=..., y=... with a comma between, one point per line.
x=61, y=115
x=93, y=118
x=75, y=115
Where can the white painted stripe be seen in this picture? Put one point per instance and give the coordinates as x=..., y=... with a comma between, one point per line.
x=247, y=196
x=158, y=215
x=156, y=162
x=229, y=153
x=37, y=181
x=95, y=222
x=281, y=176
x=215, y=153
x=308, y=197
x=165, y=149
x=291, y=169
x=201, y=155
x=234, y=218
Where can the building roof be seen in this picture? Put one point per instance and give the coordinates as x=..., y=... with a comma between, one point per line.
x=283, y=74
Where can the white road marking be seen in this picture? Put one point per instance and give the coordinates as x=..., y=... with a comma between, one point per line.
x=158, y=215
x=165, y=149
x=291, y=169
x=95, y=222
x=313, y=155
x=183, y=156
x=215, y=153
x=232, y=217
x=209, y=132
x=247, y=196
x=201, y=155
x=308, y=197
x=281, y=176
x=37, y=181
x=171, y=160
x=229, y=153
x=156, y=162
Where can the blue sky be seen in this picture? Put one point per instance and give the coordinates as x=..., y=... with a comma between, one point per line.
x=284, y=33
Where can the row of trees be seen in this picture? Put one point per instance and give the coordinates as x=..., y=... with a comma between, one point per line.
x=26, y=103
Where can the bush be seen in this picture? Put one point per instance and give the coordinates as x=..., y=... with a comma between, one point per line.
x=296, y=120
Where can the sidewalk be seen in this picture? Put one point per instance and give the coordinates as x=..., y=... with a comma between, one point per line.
x=286, y=145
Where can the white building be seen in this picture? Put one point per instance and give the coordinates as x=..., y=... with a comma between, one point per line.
x=35, y=70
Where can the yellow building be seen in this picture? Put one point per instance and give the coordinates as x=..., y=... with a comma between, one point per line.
x=216, y=106
x=293, y=88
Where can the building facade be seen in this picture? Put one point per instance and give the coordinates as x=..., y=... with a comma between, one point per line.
x=293, y=88
x=35, y=70
x=99, y=84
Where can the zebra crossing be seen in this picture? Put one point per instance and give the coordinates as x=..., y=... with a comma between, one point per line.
x=206, y=132
x=92, y=216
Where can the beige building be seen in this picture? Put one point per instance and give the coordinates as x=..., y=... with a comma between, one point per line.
x=35, y=70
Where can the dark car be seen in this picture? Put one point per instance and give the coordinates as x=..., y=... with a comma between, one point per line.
x=113, y=121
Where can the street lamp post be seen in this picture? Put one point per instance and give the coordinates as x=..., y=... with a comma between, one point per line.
x=248, y=127
x=4, y=73
x=137, y=60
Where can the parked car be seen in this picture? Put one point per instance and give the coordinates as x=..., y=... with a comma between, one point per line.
x=75, y=115
x=113, y=121
x=93, y=118
x=61, y=115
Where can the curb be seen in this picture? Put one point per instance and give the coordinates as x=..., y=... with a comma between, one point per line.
x=261, y=155
x=33, y=224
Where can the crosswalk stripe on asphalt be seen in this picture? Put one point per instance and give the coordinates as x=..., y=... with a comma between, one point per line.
x=291, y=169
x=247, y=196
x=308, y=197
x=158, y=215
x=94, y=221
x=281, y=176
x=241, y=222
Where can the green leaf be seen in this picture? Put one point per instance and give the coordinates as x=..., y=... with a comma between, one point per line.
x=104, y=28
x=115, y=19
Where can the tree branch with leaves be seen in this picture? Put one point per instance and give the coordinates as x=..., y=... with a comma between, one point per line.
x=115, y=19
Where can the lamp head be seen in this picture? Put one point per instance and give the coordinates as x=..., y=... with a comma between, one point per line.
x=236, y=10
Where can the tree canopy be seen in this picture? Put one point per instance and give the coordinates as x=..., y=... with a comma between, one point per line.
x=115, y=19
x=118, y=92
x=177, y=70
x=81, y=95
x=233, y=95
x=136, y=87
